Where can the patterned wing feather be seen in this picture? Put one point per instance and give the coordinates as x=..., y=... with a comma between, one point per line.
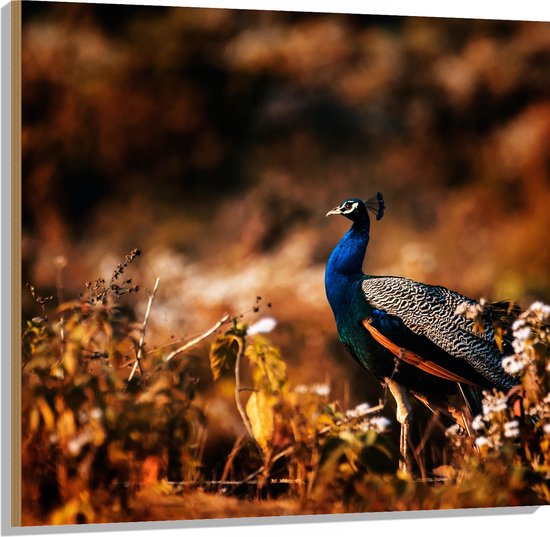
x=412, y=358
x=430, y=311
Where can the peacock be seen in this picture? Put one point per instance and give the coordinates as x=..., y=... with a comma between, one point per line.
x=412, y=336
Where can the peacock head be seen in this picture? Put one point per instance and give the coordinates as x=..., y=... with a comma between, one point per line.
x=357, y=210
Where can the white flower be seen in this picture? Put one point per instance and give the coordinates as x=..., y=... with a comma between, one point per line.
x=512, y=364
x=482, y=441
x=477, y=423
x=511, y=429
x=491, y=404
x=320, y=389
x=546, y=429
x=263, y=326
x=517, y=324
x=96, y=413
x=522, y=333
x=362, y=409
x=540, y=310
x=359, y=410
x=519, y=346
x=453, y=430
x=380, y=423
x=76, y=444
x=376, y=423
x=470, y=311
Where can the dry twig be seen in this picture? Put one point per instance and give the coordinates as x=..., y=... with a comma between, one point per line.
x=198, y=339
x=144, y=328
x=240, y=408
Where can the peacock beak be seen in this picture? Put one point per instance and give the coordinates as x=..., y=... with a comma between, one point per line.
x=336, y=210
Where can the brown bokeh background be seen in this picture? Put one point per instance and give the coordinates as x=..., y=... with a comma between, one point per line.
x=216, y=141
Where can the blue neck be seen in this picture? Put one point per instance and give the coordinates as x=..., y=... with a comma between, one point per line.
x=345, y=264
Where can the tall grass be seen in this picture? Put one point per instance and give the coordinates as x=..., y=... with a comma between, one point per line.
x=107, y=417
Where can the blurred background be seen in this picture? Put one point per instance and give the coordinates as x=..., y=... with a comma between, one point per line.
x=216, y=141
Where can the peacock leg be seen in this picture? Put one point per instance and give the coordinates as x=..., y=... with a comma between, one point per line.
x=403, y=415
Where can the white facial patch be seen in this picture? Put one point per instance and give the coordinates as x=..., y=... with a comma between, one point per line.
x=348, y=210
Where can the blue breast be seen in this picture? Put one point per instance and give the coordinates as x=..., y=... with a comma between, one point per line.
x=343, y=278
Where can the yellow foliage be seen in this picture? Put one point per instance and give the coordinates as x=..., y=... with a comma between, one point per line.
x=47, y=414
x=69, y=358
x=34, y=420
x=259, y=409
x=269, y=369
x=223, y=354
x=77, y=510
x=66, y=427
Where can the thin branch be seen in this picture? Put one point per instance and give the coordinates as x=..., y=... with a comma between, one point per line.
x=230, y=459
x=60, y=263
x=238, y=389
x=280, y=455
x=164, y=346
x=40, y=300
x=417, y=452
x=431, y=424
x=202, y=442
x=199, y=338
x=137, y=363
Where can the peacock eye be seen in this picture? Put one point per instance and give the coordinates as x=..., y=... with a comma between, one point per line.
x=347, y=205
